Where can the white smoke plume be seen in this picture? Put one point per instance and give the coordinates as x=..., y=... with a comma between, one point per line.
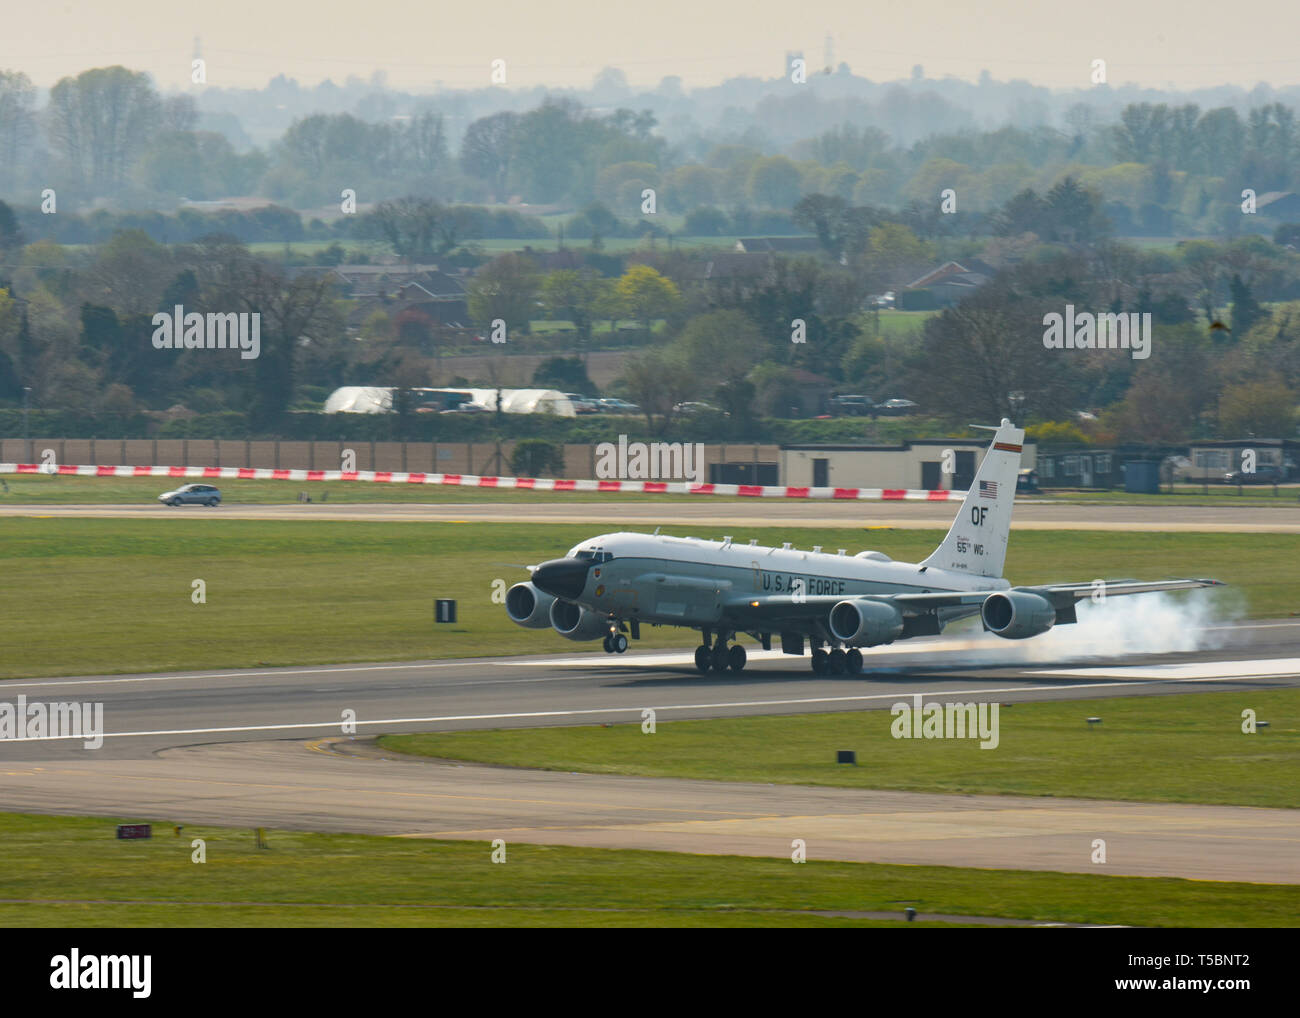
x=1111, y=629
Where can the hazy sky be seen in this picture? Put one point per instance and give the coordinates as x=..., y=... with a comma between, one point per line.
x=566, y=42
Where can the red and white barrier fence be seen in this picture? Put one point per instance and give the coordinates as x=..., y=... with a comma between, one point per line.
x=475, y=481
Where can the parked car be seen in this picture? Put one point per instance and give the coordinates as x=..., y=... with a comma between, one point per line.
x=191, y=494
x=582, y=404
x=896, y=407
x=1261, y=475
x=695, y=408
x=617, y=406
x=857, y=406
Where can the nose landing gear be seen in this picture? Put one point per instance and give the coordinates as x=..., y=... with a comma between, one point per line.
x=615, y=643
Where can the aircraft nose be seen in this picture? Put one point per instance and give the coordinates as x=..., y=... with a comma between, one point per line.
x=562, y=577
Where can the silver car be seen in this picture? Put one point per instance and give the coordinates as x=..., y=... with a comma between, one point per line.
x=191, y=494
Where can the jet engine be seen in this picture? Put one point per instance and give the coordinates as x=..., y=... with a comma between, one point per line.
x=1017, y=614
x=865, y=623
x=528, y=607
x=574, y=622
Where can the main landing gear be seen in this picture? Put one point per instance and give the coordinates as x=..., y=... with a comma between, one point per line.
x=837, y=662
x=615, y=643
x=720, y=657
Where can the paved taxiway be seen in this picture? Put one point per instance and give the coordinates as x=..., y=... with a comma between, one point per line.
x=712, y=512
x=264, y=748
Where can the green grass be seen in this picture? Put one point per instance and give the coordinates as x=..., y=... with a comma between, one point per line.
x=111, y=595
x=305, y=879
x=1152, y=749
x=898, y=324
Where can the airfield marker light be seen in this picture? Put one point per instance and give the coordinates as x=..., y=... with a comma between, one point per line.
x=846, y=756
x=1094, y=721
x=261, y=837
x=842, y=551
x=910, y=913
x=1261, y=724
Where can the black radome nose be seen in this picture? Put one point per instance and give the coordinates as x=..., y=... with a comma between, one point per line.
x=562, y=577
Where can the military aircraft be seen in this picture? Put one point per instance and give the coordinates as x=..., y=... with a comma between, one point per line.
x=610, y=585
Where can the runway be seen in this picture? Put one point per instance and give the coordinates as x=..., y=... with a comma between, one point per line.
x=615, y=511
x=266, y=748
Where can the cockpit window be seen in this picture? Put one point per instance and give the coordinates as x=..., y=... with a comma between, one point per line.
x=593, y=556
x=585, y=555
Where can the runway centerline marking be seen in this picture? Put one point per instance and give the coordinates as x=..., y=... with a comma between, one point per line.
x=897, y=696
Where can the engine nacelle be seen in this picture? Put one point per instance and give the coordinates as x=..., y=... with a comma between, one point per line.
x=865, y=623
x=529, y=607
x=1017, y=614
x=574, y=622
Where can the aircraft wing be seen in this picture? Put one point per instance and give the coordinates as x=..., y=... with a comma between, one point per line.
x=1062, y=595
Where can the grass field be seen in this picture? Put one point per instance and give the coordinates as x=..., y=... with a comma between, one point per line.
x=115, y=595
x=44, y=489
x=70, y=871
x=1151, y=749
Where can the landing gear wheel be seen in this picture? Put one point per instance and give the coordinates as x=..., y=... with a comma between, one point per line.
x=719, y=658
x=820, y=662
x=736, y=658
x=605, y=643
x=618, y=642
x=703, y=658
x=836, y=661
x=853, y=661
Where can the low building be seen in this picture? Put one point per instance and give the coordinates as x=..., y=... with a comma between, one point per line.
x=378, y=399
x=1212, y=461
x=944, y=285
x=1279, y=205
x=915, y=464
x=1084, y=467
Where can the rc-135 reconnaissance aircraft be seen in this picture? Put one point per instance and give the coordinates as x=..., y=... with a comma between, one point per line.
x=615, y=583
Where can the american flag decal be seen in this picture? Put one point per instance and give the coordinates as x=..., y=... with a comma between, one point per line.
x=988, y=489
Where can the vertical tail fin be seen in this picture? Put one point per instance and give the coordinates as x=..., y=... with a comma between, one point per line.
x=977, y=542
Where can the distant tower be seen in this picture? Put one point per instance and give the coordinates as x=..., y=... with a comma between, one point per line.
x=829, y=56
